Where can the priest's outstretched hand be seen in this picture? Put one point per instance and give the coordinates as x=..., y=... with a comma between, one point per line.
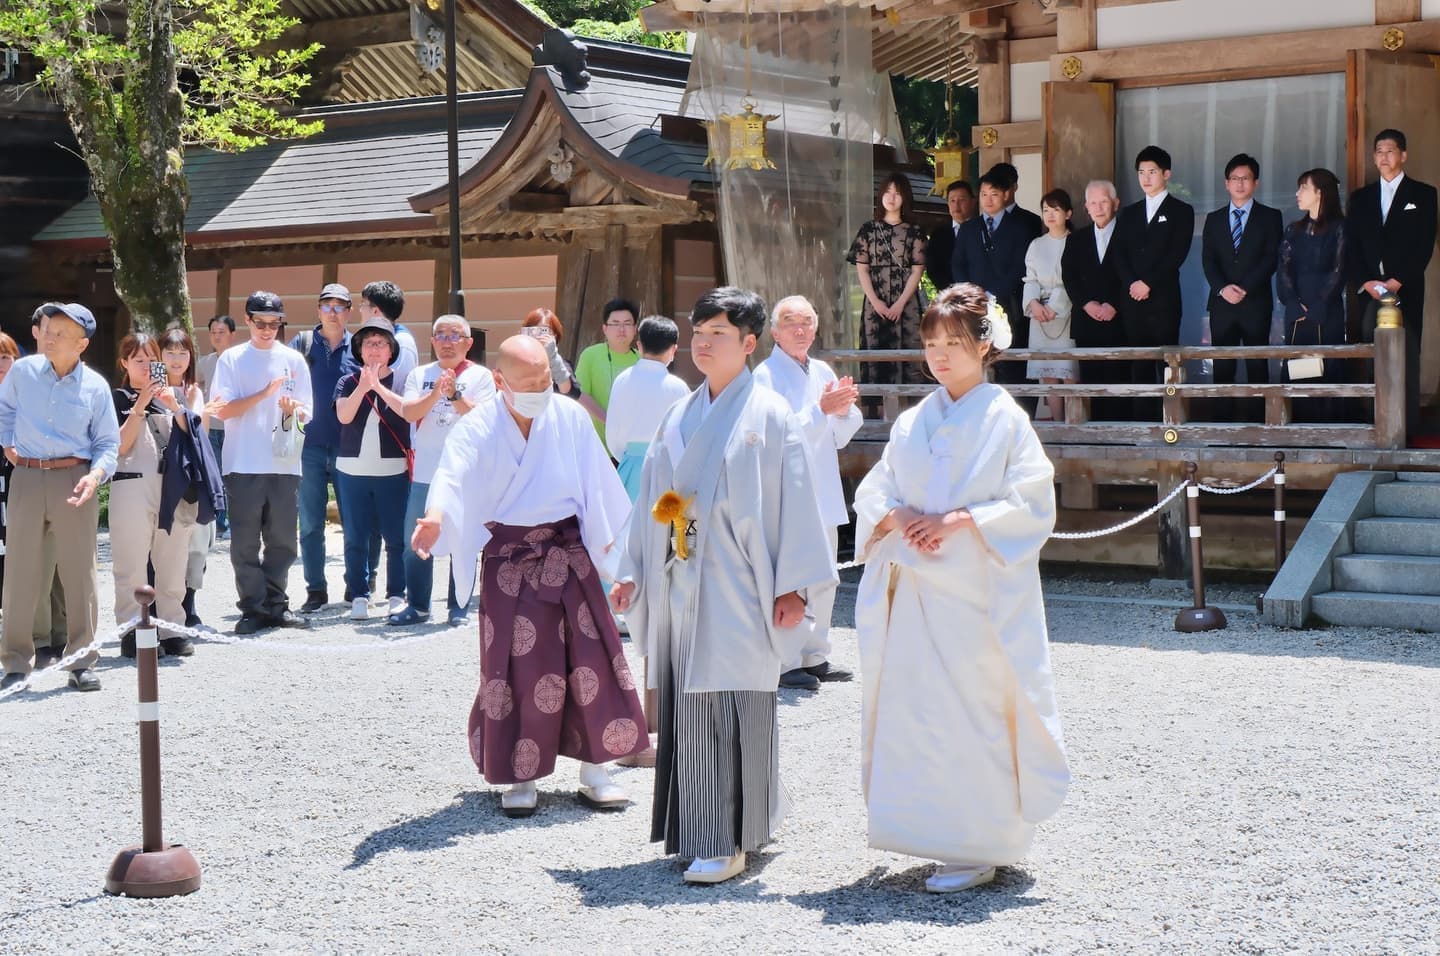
x=427, y=532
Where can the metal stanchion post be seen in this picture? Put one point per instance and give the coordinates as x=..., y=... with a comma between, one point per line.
x=1199, y=617
x=152, y=869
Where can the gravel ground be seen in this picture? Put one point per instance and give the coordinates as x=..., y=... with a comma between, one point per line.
x=1248, y=790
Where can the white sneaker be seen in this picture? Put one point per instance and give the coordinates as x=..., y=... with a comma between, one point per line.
x=715, y=869
x=954, y=877
x=397, y=604
x=359, y=609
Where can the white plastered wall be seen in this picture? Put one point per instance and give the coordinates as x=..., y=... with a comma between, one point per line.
x=1025, y=80
x=1140, y=24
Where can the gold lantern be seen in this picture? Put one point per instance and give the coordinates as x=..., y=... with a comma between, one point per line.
x=745, y=136
x=949, y=156
x=1388, y=315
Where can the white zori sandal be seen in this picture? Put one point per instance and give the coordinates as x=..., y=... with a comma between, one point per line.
x=598, y=791
x=519, y=800
x=954, y=877
x=715, y=869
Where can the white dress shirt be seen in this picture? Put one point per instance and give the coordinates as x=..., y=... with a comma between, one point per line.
x=1387, y=195
x=1152, y=204
x=1102, y=238
x=639, y=399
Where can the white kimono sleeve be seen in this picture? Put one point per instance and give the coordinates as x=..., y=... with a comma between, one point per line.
x=1016, y=526
x=876, y=496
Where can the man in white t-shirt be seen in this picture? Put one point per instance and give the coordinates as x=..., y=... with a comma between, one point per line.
x=264, y=386
x=436, y=395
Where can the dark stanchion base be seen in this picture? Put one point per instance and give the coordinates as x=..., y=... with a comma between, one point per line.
x=1194, y=619
x=172, y=871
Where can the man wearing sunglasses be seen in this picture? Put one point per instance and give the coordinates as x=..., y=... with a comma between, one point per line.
x=436, y=396
x=327, y=353
x=262, y=386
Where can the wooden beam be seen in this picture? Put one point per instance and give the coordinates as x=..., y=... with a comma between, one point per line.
x=535, y=202
x=1397, y=11
x=1277, y=54
x=995, y=99
x=1028, y=135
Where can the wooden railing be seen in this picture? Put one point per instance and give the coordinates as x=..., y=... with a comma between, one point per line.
x=1177, y=425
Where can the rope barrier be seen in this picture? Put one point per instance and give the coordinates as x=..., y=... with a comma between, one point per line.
x=1235, y=491
x=215, y=637
x=69, y=659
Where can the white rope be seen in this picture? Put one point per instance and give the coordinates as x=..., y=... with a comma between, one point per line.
x=1083, y=535
x=1235, y=491
x=69, y=659
x=215, y=637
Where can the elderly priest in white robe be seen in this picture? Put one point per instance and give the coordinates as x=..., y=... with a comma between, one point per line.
x=824, y=407
x=527, y=480
x=726, y=542
x=961, y=749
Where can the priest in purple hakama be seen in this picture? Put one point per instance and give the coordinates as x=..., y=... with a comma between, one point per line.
x=527, y=482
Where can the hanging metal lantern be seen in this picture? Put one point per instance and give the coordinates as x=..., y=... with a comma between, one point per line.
x=745, y=134
x=949, y=157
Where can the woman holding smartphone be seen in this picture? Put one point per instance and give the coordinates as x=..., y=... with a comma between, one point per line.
x=148, y=409
x=177, y=351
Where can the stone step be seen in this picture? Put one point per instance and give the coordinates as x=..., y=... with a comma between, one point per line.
x=1408, y=499
x=1421, y=477
x=1388, y=573
x=1416, y=612
x=1398, y=536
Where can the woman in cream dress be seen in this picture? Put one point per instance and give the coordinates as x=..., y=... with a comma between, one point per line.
x=1046, y=303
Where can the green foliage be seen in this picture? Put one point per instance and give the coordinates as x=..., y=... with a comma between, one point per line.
x=233, y=80
x=566, y=13
x=631, y=31
x=921, y=106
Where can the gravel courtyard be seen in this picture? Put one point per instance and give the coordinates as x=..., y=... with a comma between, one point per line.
x=1250, y=790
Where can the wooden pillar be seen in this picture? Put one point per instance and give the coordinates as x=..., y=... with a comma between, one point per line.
x=222, y=291
x=1075, y=27
x=994, y=75
x=329, y=271
x=644, y=269
x=1397, y=11
x=1174, y=541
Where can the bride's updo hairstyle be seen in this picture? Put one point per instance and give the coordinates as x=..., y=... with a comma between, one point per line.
x=964, y=310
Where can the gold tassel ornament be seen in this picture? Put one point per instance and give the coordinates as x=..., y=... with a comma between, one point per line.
x=670, y=509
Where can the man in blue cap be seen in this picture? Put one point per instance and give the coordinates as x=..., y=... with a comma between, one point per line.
x=57, y=425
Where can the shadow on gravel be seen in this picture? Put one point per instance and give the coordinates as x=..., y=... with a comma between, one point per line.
x=476, y=813
x=54, y=906
x=886, y=896
x=660, y=882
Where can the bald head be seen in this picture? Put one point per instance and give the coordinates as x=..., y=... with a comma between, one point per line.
x=523, y=365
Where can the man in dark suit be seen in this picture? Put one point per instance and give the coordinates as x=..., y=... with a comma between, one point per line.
x=1152, y=239
x=1240, y=248
x=1088, y=269
x=1390, y=230
x=960, y=197
x=990, y=252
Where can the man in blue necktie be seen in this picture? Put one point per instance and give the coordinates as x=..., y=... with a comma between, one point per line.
x=1240, y=249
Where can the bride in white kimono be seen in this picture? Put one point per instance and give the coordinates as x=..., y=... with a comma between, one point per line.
x=962, y=753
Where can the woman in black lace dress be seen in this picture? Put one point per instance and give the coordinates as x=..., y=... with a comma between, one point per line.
x=1311, y=277
x=889, y=255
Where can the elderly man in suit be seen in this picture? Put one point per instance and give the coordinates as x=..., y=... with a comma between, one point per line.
x=1152, y=239
x=1088, y=269
x=990, y=252
x=960, y=198
x=1240, y=248
x=1391, y=232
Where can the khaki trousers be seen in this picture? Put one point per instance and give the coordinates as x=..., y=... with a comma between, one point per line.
x=50, y=613
x=38, y=511
x=136, y=539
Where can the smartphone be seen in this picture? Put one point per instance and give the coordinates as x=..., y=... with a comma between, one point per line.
x=536, y=331
x=158, y=374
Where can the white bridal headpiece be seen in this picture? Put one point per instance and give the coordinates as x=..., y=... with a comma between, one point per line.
x=995, y=327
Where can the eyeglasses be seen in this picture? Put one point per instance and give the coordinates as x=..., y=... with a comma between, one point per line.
x=271, y=325
x=334, y=309
x=1240, y=180
x=447, y=338
x=619, y=325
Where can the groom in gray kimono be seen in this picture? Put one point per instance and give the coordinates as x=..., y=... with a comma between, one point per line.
x=725, y=542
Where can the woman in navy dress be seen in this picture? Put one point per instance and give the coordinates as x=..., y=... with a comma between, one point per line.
x=1311, y=277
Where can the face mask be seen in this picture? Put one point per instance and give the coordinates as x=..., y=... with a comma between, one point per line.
x=529, y=404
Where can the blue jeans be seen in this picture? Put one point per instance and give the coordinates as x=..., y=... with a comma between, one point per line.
x=317, y=474
x=365, y=504
x=217, y=442
x=420, y=575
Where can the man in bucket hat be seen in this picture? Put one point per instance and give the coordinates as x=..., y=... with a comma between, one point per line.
x=58, y=426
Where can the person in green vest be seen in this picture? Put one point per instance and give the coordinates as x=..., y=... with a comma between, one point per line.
x=599, y=364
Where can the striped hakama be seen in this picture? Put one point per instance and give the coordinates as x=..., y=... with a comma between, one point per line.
x=717, y=768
